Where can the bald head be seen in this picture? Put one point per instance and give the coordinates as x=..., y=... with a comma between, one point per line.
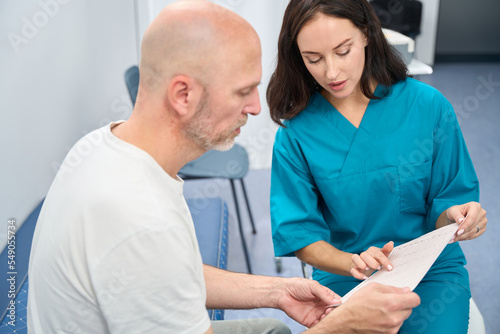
x=191, y=37
x=199, y=71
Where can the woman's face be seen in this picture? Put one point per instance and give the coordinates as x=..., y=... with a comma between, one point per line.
x=333, y=50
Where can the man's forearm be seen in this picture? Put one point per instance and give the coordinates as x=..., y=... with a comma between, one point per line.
x=229, y=290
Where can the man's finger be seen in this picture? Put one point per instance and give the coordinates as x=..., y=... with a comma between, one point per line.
x=325, y=294
x=391, y=289
x=405, y=296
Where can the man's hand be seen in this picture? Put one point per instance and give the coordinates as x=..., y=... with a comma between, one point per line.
x=305, y=300
x=376, y=308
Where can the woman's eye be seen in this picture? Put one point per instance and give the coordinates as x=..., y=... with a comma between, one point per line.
x=345, y=53
x=313, y=61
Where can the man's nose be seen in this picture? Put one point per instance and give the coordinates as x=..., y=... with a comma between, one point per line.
x=253, y=107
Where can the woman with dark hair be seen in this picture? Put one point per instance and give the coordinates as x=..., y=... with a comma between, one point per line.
x=366, y=159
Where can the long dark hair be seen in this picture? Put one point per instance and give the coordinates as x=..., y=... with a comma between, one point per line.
x=291, y=85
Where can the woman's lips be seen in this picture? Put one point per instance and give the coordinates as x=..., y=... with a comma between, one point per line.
x=339, y=85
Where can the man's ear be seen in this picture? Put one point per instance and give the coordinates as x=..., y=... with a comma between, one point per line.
x=182, y=94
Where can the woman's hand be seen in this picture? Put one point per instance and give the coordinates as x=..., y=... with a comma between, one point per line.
x=372, y=259
x=475, y=224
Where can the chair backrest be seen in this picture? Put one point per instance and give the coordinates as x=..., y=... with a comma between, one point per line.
x=132, y=81
x=19, y=246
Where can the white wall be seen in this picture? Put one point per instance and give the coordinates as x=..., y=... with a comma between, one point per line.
x=425, y=49
x=62, y=65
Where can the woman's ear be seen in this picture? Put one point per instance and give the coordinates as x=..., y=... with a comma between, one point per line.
x=182, y=94
x=364, y=33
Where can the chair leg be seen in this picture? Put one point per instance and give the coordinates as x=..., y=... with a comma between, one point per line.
x=304, y=269
x=248, y=206
x=279, y=264
x=243, y=242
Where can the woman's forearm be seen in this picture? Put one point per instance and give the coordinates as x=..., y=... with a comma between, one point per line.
x=442, y=220
x=324, y=256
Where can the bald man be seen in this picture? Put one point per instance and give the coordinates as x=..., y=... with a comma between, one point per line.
x=115, y=250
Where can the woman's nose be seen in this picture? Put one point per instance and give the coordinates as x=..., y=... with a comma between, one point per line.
x=332, y=69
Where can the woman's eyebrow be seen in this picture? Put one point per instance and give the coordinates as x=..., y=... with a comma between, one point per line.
x=335, y=48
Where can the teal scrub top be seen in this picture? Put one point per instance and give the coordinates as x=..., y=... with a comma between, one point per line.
x=388, y=180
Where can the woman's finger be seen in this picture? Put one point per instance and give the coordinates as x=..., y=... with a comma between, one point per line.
x=371, y=258
x=475, y=227
x=359, y=263
x=375, y=258
x=359, y=274
x=474, y=232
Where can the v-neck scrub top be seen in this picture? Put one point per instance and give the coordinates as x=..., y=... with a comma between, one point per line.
x=388, y=180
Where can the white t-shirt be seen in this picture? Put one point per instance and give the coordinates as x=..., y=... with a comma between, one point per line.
x=114, y=249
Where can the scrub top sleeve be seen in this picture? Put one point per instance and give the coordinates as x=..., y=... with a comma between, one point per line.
x=296, y=218
x=453, y=180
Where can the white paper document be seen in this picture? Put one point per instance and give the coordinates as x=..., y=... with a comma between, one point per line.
x=411, y=260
